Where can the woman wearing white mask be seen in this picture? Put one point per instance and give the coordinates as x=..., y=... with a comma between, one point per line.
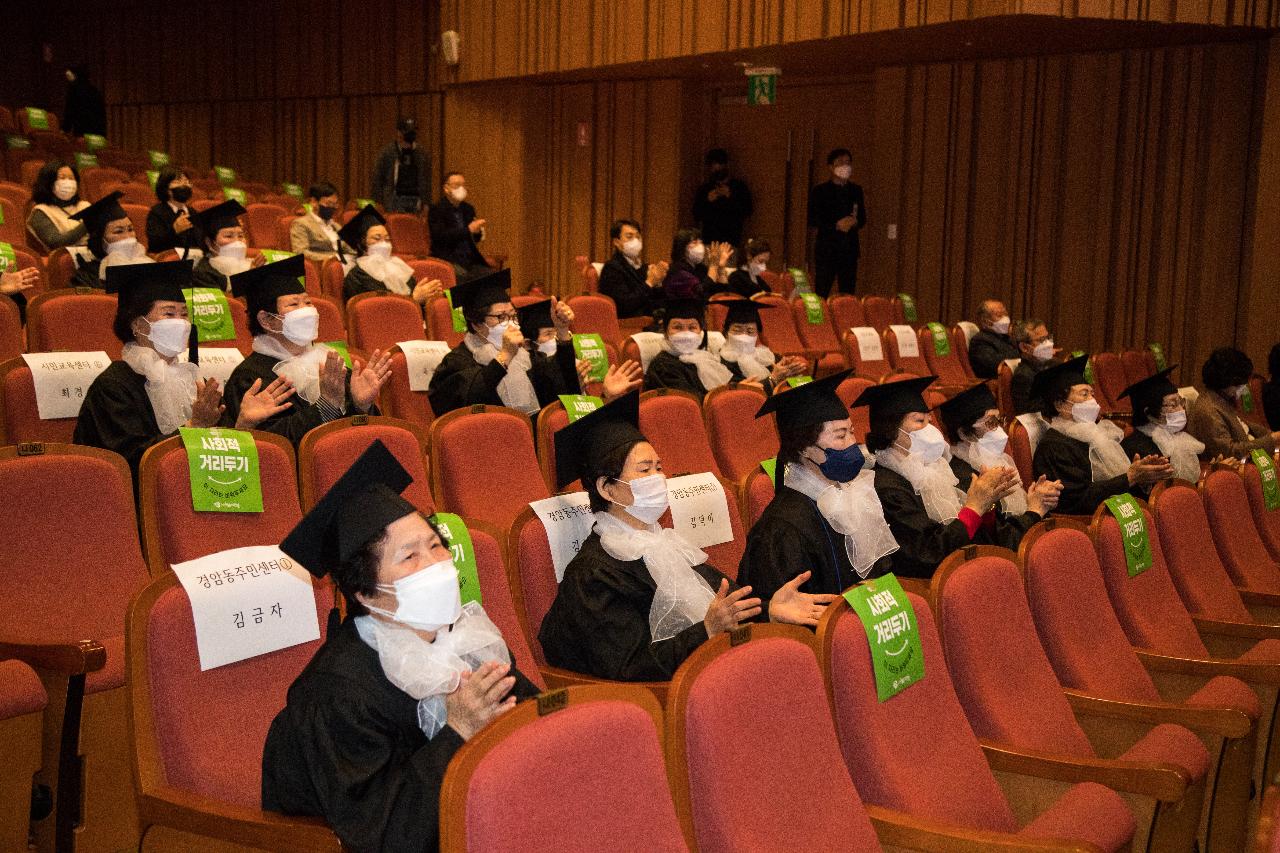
x=146, y=396
x=376, y=269
x=224, y=244
x=637, y=598
x=55, y=197
x=684, y=363
x=285, y=325
x=1081, y=451
x=929, y=514
x=697, y=270
x=749, y=361
x=748, y=280
x=1159, y=426
x=412, y=673
x=112, y=242
x=1217, y=416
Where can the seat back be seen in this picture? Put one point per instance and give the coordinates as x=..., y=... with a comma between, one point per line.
x=778, y=328
x=20, y=419
x=440, y=322
x=747, y=705
x=879, y=312
x=12, y=341
x=138, y=217
x=869, y=358
x=551, y=420
x=1134, y=363
x=604, y=749
x=1246, y=558
x=939, y=771
x=331, y=325
x=758, y=493
x=72, y=321
x=1004, y=392
x=463, y=446
x=739, y=440
x=70, y=574
x=408, y=234
x=15, y=192
x=282, y=227
x=1019, y=449
x=174, y=532
x=13, y=229
x=960, y=336
x=381, y=320
x=1197, y=571
x=986, y=631
x=1266, y=522
x=672, y=422
x=899, y=342
x=815, y=336
x=531, y=575
x=1077, y=627
x=331, y=278
x=1147, y=604
x=940, y=355
x=590, y=277
x=137, y=193
x=399, y=399
x=846, y=312
x=498, y=598
x=1110, y=378
x=260, y=225
x=59, y=267
x=598, y=314
x=850, y=390
x=326, y=452
x=433, y=269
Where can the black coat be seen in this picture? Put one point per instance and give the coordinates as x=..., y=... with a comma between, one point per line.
x=358, y=281
x=160, y=234
x=987, y=350
x=116, y=415
x=451, y=239
x=668, y=371
x=721, y=220
x=828, y=204
x=628, y=287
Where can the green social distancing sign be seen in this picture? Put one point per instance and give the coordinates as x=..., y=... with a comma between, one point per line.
x=458, y=541
x=590, y=348
x=897, y=658
x=814, y=309
x=579, y=405
x=1267, y=472
x=223, y=465
x=909, y=307
x=1133, y=530
x=210, y=314
x=941, y=340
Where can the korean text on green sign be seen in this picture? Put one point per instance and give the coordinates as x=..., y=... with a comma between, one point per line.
x=458, y=541
x=210, y=314
x=579, y=405
x=1267, y=472
x=897, y=658
x=941, y=340
x=590, y=348
x=1133, y=530
x=223, y=464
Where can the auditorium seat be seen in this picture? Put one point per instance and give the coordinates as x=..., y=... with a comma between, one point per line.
x=1019, y=449
x=496, y=596
x=398, y=398
x=778, y=330
x=326, y=452
x=1136, y=367
x=945, y=365
x=1004, y=390
x=260, y=221
x=71, y=320
x=282, y=238
x=867, y=353
x=879, y=312
x=59, y=266
x=13, y=224
x=600, y=750
x=819, y=338
x=672, y=421
x=136, y=193
x=378, y=321
x=16, y=193
x=760, y=703
x=30, y=167
x=483, y=464
x=551, y=419
x=590, y=277
x=20, y=419
x=138, y=218
x=428, y=269
x=961, y=333
x=739, y=440
x=939, y=772
x=174, y=532
x=849, y=391
x=1109, y=378
x=331, y=278
x=22, y=703
x=94, y=182
x=780, y=283
x=332, y=327
x=68, y=579
x=1227, y=506
x=409, y=235
x=440, y=322
x=898, y=342
x=1266, y=522
x=26, y=260
x=986, y=632
x=846, y=312
x=197, y=736
x=596, y=314
x=24, y=121
x=12, y=339
x=757, y=493
x=1091, y=655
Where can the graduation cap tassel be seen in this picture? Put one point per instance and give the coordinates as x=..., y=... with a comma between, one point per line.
x=193, y=345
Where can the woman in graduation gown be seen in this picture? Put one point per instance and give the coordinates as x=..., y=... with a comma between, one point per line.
x=146, y=396
x=1159, y=426
x=747, y=281
x=824, y=530
x=111, y=241
x=1082, y=452
x=284, y=324
x=376, y=270
x=929, y=515
x=370, y=725
x=978, y=441
x=637, y=599
x=748, y=361
x=685, y=363
x=222, y=238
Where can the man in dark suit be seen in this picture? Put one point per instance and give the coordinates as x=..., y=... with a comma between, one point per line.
x=722, y=203
x=992, y=344
x=838, y=211
x=455, y=230
x=634, y=286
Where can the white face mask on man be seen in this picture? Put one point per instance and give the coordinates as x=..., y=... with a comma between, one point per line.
x=696, y=253
x=458, y=194
x=632, y=248
x=1044, y=350
x=843, y=171
x=1000, y=326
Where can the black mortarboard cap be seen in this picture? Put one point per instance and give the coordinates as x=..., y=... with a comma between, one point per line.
x=1054, y=381
x=896, y=399
x=582, y=445
x=146, y=283
x=356, y=509
x=481, y=292
x=261, y=286
x=811, y=403
x=353, y=232
x=535, y=316
x=743, y=311
x=96, y=216
x=685, y=309
x=967, y=408
x=214, y=219
x=1147, y=394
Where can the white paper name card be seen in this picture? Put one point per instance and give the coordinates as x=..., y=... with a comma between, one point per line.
x=699, y=509
x=62, y=379
x=908, y=343
x=568, y=521
x=422, y=358
x=869, y=348
x=247, y=602
x=218, y=363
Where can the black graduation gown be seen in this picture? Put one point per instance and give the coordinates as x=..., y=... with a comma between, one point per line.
x=1020, y=387
x=740, y=283
x=1061, y=457
x=293, y=423
x=987, y=350
x=965, y=473
x=204, y=275
x=359, y=281
x=668, y=371
x=736, y=375
x=347, y=748
x=1143, y=445
x=116, y=415
x=924, y=543
x=460, y=380
x=599, y=622
x=86, y=274
x=628, y=287
x=791, y=537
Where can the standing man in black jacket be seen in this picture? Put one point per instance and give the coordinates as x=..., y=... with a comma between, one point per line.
x=722, y=204
x=993, y=343
x=455, y=230
x=634, y=286
x=838, y=211
x=402, y=173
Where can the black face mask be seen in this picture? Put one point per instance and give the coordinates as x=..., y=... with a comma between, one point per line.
x=326, y=211
x=410, y=136
x=181, y=195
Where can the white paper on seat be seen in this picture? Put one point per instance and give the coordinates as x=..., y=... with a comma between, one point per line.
x=218, y=363
x=567, y=520
x=908, y=343
x=1012, y=363
x=1035, y=425
x=649, y=344
x=422, y=358
x=62, y=379
x=699, y=509
x=970, y=329
x=599, y=265
x=869, y=348
x=247, y=602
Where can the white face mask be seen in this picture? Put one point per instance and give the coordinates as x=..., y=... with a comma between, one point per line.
x=1239, y=391
x=994, y=441
x=301, y=325
x=64, y=189
x=696, y=253
x=685, y=342
x=746, y=342
x=632, y=248
x=380, y=250
x=1175, y=421
x=843, y=172
x=235, y=249
x=1001, y=326
x=547, y=347
x=1086, y=412
x=127, y=246
x=1044, y=350
x=926, y=444
x=756, y=268
x=648, y=498
x=458, y=194
x=496, y=332
x=429, y=599
x=169, y=336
